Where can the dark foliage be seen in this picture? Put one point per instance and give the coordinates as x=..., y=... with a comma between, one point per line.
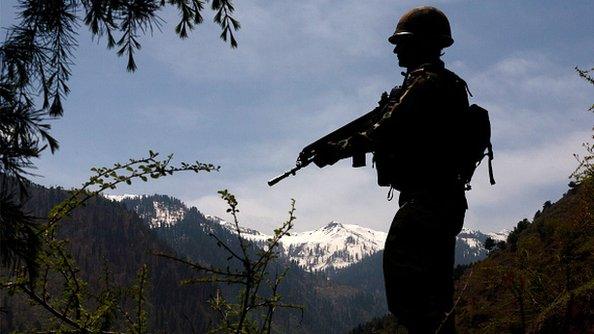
x=512, y=238
x=74, y=301
x=36, y=58
x=20, y=241
x=543, y=284
x=489, y=244
x=104, y=235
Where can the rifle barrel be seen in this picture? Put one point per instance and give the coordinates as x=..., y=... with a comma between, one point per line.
x=290, y=172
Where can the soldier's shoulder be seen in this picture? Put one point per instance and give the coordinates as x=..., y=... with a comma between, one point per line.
x=453, y=77
x=437, y=78
x=434, y=73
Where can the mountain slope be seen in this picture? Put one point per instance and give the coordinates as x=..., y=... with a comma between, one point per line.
x=105, y=233
x=157, y=210
x=470, y=245
x=328, y=248
x=348, y=305
x=540, y=281
x=333, y=246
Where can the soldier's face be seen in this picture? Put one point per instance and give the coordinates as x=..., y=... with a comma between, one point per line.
x=405, y=51
x=412, y=52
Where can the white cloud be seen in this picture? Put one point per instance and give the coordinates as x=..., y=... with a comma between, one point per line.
x=531, y=100
x=334, y=193
x=526, y=178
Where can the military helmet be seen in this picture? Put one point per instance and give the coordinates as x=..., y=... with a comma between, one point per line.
x=425, y=23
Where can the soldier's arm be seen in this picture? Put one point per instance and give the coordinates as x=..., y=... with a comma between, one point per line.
x=404, y=119
x=357, y=144
x=346, y=148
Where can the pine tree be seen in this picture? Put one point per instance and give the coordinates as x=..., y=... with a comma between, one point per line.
x=35, y=66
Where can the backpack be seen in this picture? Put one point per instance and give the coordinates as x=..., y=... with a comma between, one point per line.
x=477, y=144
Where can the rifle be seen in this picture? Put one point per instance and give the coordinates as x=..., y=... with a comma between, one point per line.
x=359, y=125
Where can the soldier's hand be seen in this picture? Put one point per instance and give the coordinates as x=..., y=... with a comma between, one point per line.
x=359, y=142
x=327, y=154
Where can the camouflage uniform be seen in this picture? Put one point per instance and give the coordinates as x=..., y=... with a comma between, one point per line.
x=421, y=134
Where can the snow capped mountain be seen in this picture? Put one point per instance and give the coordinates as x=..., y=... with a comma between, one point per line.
x=119, y=198
x=330, y=247
x=470, y=244
x=246, y=233
x=333, y=246
x=156, y=210
x=166, y=215
x=337, y=245
x=499, y=236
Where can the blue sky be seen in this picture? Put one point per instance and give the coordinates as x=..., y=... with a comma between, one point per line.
x=302, y=69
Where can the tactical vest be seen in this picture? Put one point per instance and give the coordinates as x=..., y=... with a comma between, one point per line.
x=431, y=137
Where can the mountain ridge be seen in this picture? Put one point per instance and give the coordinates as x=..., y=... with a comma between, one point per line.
x=329, y=248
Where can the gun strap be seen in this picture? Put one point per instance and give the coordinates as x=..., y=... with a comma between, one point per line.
x=490, y=155
x=390, y=193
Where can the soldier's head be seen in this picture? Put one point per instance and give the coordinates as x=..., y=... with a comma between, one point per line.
x=421, y=34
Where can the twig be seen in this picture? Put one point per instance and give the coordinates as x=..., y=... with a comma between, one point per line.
x=455, y=303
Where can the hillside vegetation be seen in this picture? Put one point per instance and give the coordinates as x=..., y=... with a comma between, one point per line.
x=106, y=238
x=540, y=281
x=105, y=234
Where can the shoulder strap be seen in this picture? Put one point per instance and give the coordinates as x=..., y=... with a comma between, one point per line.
x=490, y=156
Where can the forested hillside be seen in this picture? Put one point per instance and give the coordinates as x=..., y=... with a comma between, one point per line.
x=348, y=304
x=105, y=235
x=540, y=281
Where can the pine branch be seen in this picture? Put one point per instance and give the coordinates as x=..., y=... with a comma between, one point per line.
x=225, y=19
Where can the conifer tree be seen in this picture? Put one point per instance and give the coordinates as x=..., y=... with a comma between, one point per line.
x=36, y=58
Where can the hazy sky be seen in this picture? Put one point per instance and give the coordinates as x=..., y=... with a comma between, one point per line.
x=302, y=69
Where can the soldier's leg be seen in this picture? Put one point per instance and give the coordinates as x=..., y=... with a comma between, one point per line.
x=418, y=265
x=405, y=272
x=442, y=269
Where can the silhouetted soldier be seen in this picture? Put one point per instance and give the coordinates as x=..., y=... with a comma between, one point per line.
x=416, y=151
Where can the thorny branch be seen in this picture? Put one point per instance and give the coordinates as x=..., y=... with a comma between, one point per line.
x=70, y=305
x=238, y=317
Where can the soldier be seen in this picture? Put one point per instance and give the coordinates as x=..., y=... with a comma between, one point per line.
x=416, y=151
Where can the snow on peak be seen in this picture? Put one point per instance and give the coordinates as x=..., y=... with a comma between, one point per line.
x=333, y=246
x=155, y=210
x=247, y=233
x=119, y=198
x=499, y=236
x=333, y=225
x=165, y=216
x=470, y=244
